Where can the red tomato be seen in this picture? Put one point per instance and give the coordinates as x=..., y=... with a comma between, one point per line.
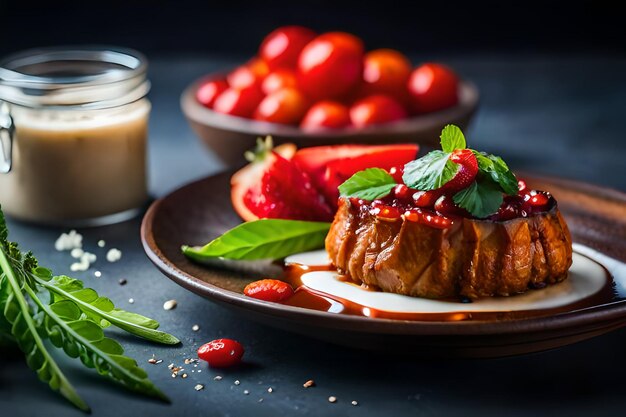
x=208, y=92
x=331, y=65
x=376, y=109
x=242, y=77
x=281, y=78
x=386, y=71
x=239, y=102
x=280, y=49
x=433, y=87
x=258, y=67
x=326, y=115
x=268, y=290
x=221, y=353
x=286, y=106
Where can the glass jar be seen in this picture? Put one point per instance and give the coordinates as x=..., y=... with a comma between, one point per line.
x=73, y=135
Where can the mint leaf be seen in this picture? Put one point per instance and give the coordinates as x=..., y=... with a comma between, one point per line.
x=452, y=138
x=430, y=172
x=498, y=170
x=482, y=198
x=263, y=239
x=369, y=184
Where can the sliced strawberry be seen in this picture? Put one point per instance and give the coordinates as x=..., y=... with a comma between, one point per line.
x=285, y=192
x=468, y=168
x=329, y=166
x=269, y=290
x=274, y=187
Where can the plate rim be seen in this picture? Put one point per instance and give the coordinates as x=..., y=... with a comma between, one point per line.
x=576, y=319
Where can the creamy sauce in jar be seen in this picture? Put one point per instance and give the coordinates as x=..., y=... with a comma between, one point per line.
x=79, y=145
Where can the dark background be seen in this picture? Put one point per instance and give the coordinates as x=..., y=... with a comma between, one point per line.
x=235, y=27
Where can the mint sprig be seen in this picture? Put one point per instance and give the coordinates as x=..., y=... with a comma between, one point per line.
x=452, y=138
x=430, y=172
x=369, y=184
x=498, y=170
x=482, y=198
x=262, y=239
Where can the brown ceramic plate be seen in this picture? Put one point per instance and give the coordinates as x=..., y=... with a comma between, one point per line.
x=229, y=137
x=201, y=211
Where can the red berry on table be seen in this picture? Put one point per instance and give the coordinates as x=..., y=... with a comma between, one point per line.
x=285, y=106
x=239, y=102
x=208, y=92
x=281, y=48
x=376, y=109
x=433, y=87
x=331, y=65
x=221, y=353
x=326, y=115
x=269, y=290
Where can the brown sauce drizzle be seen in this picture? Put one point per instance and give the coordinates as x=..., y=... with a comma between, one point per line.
x=305, y=297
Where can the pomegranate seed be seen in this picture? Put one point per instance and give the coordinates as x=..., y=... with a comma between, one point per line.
x=396, y=173
x=401, y=191
x=413, y=215
x=539, y=200
x=521, y=184
x=426, y=198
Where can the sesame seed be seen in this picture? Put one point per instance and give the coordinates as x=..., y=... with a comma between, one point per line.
x=332, y=399
x=309, y=383
x=159, y=361
x=122, y=281
x=101, y=243
x=76, y=253
x=246, y=392
x=237, y=382
x=131, y=300
x=355, y=403
x=199, y=370
x=260, y=400
x=217, y=377
x=152, y=361
x=270, y=390
x=170, y=305
x=184, y=375
x=170, y=366
x=174, y=375
x=198, y=387
x=97, y=274
x=195, y=327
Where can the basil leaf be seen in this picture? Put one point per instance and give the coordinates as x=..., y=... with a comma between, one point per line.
x=263, y=239
x=499, y=172
x=452, y=138
x=482, y=198
x=430, y=172
x=369, y=184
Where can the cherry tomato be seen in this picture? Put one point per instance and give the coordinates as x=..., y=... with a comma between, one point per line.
x=286, y=106
x=326, y=115
x=258, y=67
x=269, y=290
x=433, y=87
x=280, y=49
x=221, y=353
x=239, y=102
x=376, y=109
x=281, y=78
x=386, y=71
x=243, y=77
x=331, y=65
x=208, y=92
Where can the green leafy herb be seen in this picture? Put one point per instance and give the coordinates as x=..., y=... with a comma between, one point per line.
x=499, y=172
x=429, y=172
x=263, y=239
x=482, y=198
x=35, y=305
x=369, y=184
x=452, y=138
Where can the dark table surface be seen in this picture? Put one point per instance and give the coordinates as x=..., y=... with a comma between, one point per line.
x=563, y=116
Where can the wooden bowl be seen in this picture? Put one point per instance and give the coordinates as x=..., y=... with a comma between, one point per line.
x=229, y=136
